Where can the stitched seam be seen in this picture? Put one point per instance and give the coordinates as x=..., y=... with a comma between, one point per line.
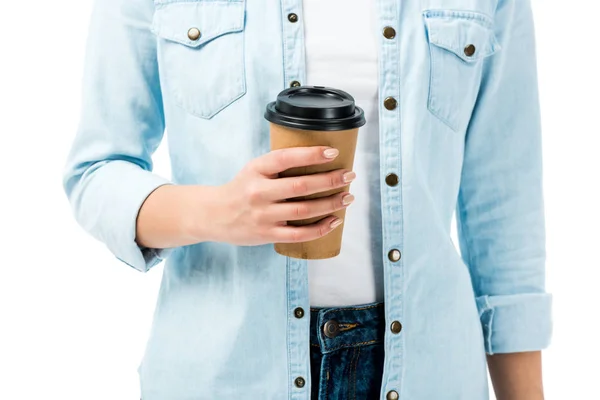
x=349, y=374
x=470, y=60
x=347, y=308
x=461, y=14
x=357, y=351
x=362, y=308
x=357, y=357
x=491, y=331
x=353, y=344
x=205, y=39
x=463, y=230
x=320, y=332
x=289, y=326
x=401, y=273
x=284, y=44
x=327, y=381
x=347, y=327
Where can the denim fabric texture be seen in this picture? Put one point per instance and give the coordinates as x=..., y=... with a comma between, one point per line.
x=463, y=137
x=349, y=365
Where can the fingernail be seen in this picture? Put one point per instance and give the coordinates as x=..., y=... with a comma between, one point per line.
x=349, y=177
x=347, y=199
x=335, y=223
x=331, y=153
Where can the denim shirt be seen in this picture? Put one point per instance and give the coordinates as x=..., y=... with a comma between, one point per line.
x=463, y=134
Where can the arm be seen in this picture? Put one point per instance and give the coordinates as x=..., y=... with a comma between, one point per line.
x=500, y=208
x=108, y=177
x=108, y=173
x=517, y=376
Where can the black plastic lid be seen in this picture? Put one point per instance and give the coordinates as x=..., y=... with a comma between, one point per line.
x=315, y=108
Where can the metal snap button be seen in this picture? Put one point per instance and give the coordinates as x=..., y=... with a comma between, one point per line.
x=396, y=327
x=299, y=382
x=389, y=32
x=470, y=50
x=194, y=34
x=390, y=103
x=331, y=328
x=293, y=18
x=392, y=179
x=394, y=255
x=392, y=395
x=299, y=312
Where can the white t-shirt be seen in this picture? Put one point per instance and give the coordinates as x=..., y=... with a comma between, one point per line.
x=341, y=52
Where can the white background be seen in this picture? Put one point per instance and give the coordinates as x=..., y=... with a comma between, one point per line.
x=74, y=321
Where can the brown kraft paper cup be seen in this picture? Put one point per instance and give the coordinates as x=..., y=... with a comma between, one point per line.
x=315, y=118
x=345, y=141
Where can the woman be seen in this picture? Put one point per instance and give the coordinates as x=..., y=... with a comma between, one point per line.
x=450, y=96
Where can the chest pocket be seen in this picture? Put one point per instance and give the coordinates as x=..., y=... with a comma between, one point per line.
x=201, y=53
x=459, y=42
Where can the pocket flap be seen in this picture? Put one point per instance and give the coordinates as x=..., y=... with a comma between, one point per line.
x=193, y=23
x=469, y=35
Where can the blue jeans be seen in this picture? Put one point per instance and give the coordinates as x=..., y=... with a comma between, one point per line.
x=346, y=352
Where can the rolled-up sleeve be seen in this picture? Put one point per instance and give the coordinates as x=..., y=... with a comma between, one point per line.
x=108, y=174
x=500, y=209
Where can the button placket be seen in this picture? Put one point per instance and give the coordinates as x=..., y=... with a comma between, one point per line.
x=293, y=36
x=390, y=133
x=298, y=332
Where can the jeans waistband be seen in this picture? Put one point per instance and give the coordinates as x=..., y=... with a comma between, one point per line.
x=334, y=328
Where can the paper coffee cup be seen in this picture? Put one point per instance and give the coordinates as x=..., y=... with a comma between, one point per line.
x=315, y=116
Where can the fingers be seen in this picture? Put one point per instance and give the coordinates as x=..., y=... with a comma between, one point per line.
x=287, y=188
x=280, y=160
x=292, y=234
x=296, y=210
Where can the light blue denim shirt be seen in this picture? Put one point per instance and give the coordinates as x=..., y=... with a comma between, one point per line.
x=464, y=136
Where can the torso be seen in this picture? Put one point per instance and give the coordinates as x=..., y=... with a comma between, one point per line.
x=341, y=52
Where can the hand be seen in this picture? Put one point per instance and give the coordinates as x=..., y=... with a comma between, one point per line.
x=254, y=211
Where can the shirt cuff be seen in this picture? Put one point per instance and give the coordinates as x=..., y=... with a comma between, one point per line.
x=516, y=323
x=129, y=186
x=153, y=257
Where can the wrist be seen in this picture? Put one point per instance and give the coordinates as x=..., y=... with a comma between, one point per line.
x=201, y=218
